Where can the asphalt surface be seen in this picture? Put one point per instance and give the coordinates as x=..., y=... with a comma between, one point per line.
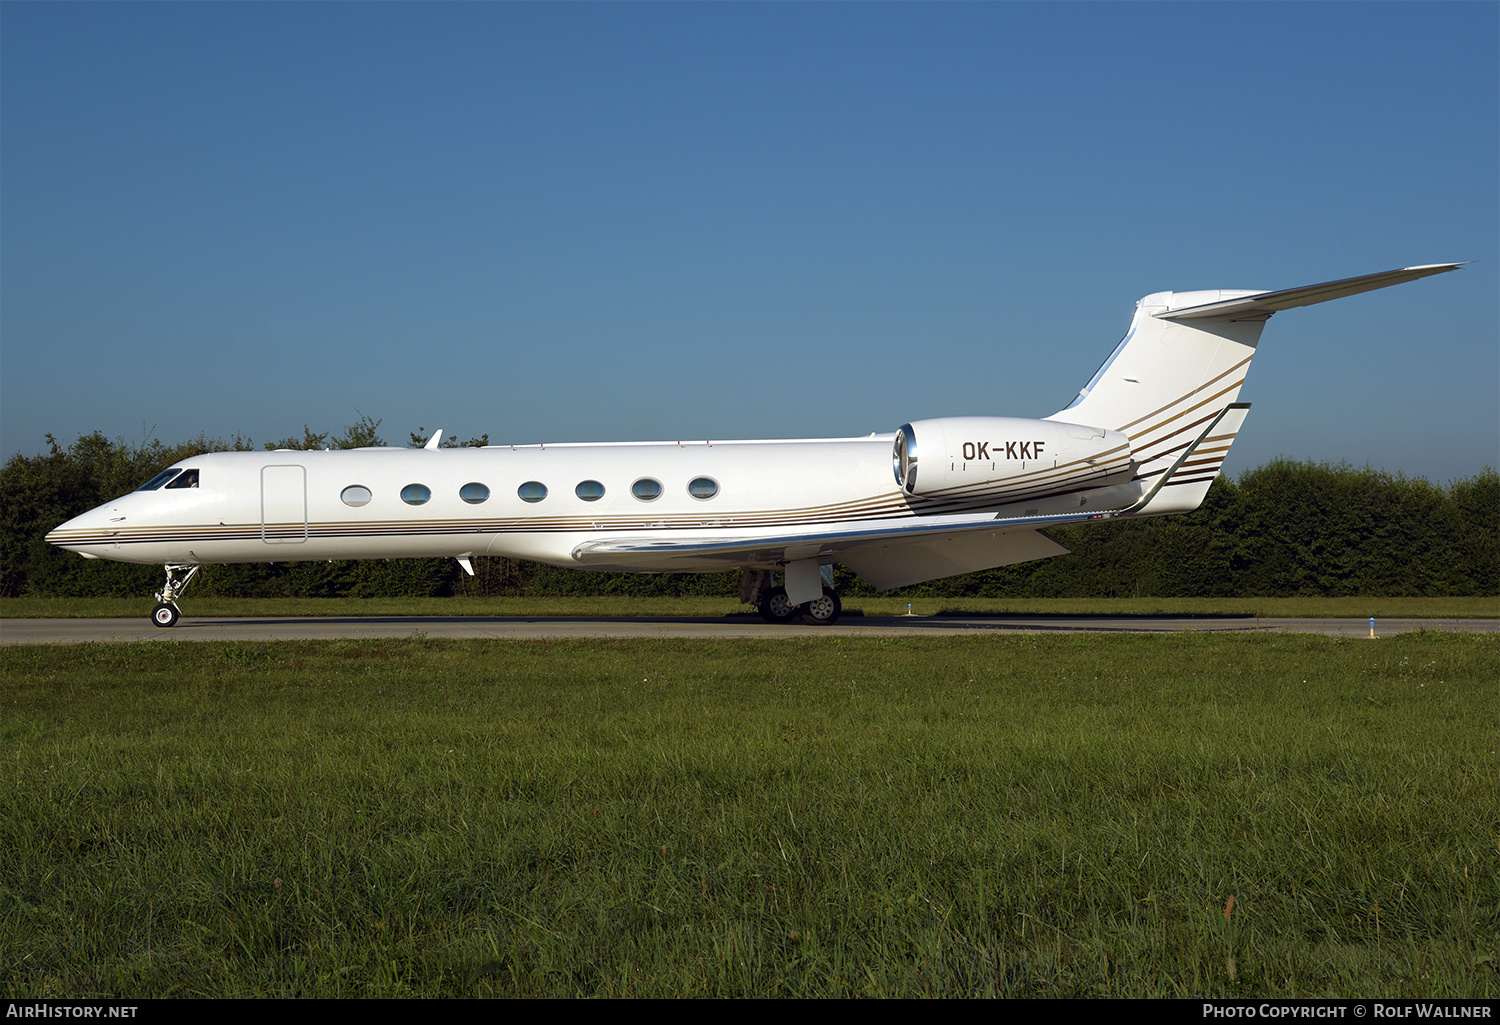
x=75, y=631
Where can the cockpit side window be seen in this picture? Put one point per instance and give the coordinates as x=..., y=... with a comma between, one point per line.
x=159, y=480
x=188, y=479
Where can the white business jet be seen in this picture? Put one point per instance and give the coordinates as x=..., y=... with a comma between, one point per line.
x=1145, y=437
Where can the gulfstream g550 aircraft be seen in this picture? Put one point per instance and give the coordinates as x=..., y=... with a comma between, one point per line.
x=1145, y=437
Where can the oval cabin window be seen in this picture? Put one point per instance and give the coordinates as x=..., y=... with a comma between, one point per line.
x=646, y=489
x=589, y=491
x=356, y=495
x=416, y=494
x=532, y=491
x=474, y=493
x=703, y=487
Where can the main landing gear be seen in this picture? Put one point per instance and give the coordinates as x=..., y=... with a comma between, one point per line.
x=823, y=611
x=166, y=612
x=757, y=587
x=776, y=607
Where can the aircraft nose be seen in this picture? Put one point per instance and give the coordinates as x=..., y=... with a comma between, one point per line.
x=56, y=535
x=82, y=529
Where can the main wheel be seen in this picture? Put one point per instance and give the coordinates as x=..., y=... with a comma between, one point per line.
x=823, y=611
x=165, y=614
x=775, y=608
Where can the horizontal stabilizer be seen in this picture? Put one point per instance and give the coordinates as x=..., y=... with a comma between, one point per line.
x=1264, y=304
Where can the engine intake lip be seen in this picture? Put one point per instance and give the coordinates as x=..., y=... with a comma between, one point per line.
x=904, y=459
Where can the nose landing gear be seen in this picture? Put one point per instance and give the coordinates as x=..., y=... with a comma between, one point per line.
x=166, y=612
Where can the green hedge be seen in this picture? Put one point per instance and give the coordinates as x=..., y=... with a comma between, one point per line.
x=1286, y=528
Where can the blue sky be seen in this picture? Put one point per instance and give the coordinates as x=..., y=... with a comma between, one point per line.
x=574, y=222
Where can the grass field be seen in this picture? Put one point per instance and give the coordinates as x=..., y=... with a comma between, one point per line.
x=1382, y=608
x=1182, y=815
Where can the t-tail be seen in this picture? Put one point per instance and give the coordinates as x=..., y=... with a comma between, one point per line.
x=1170, y=385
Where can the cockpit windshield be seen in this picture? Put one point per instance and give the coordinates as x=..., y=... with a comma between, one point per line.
x=159, y=479
x=188, y=479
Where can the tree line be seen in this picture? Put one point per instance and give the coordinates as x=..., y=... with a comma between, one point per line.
x=1285, y=528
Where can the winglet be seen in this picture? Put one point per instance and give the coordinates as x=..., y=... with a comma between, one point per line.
x=1210, y=446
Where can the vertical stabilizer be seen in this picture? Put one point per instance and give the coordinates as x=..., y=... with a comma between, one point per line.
x=1168, y=379
x=1182, y=364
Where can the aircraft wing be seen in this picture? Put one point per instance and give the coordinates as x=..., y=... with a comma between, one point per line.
x=1267, y=303
x=656, y=553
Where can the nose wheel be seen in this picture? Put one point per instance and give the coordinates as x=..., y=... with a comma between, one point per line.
x=165, y=614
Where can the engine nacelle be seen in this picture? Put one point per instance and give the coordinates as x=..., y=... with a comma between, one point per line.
x=989, y=458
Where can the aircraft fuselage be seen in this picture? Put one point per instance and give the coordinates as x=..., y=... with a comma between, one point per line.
x=550, y=502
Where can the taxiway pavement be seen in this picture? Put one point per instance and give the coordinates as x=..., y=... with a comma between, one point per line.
x=75, y=631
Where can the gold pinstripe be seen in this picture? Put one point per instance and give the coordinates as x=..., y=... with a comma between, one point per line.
x=1182, y=398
